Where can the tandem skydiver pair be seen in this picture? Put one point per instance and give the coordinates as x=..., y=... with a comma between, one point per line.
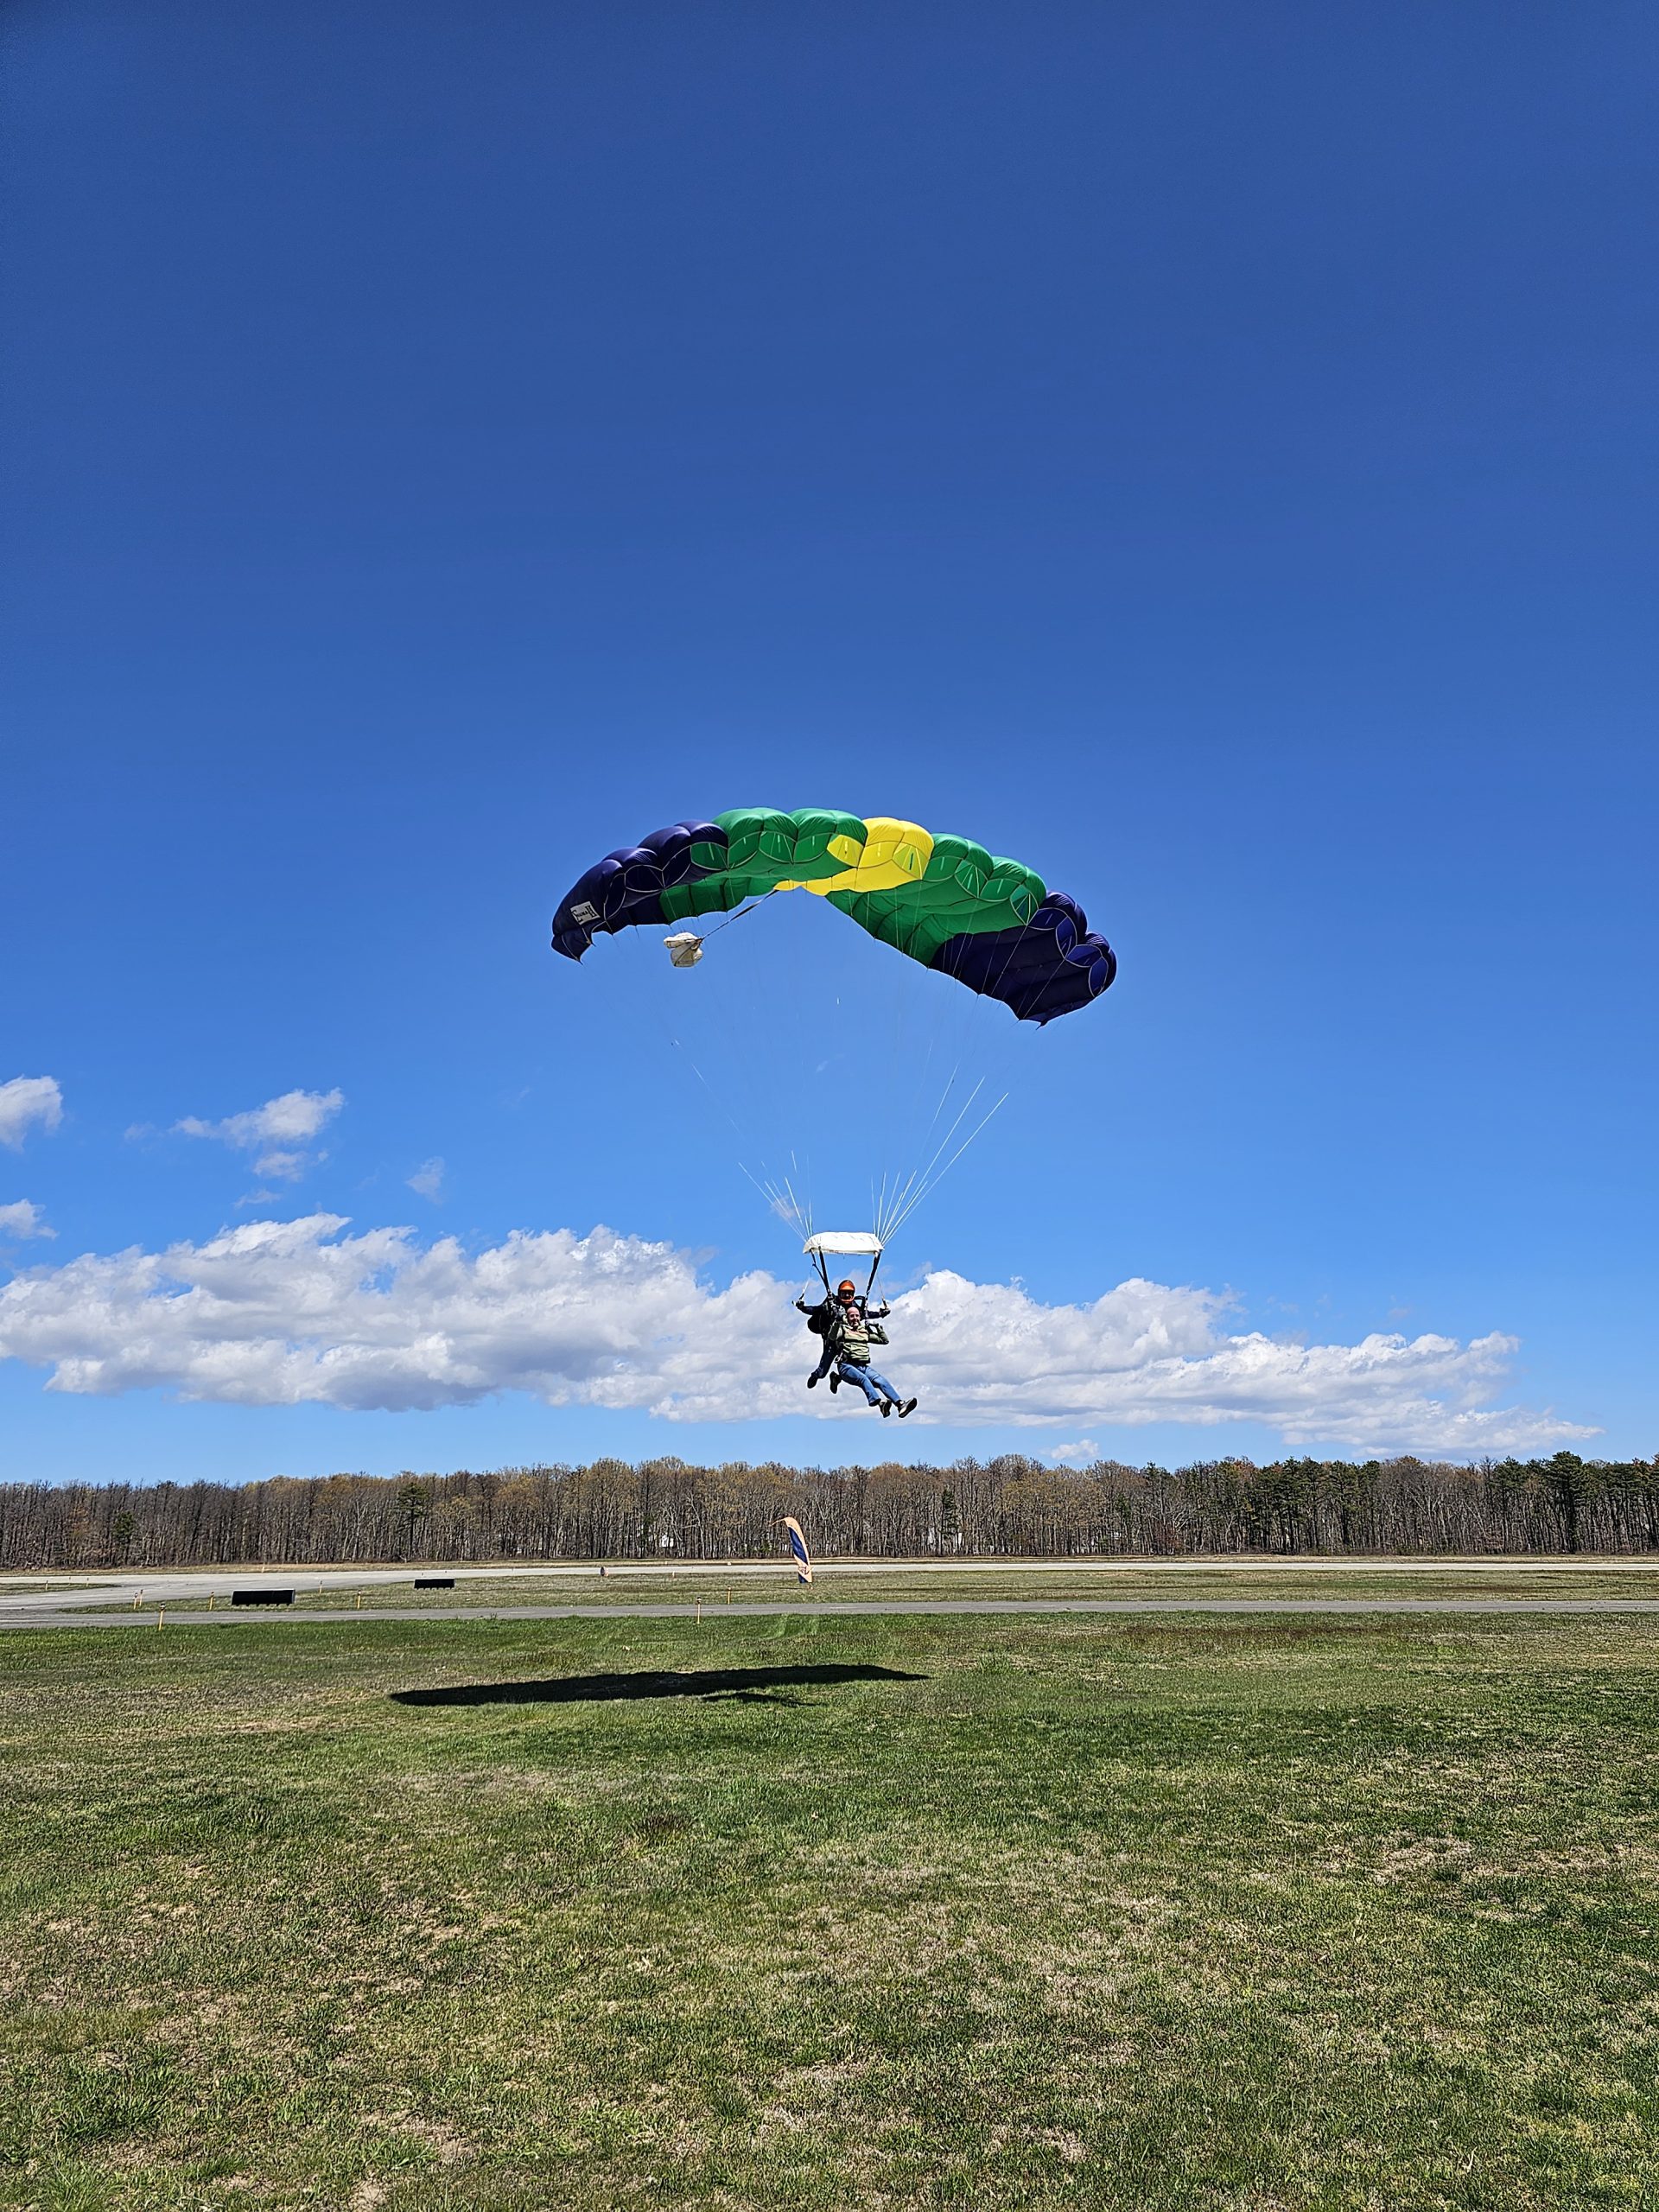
x=849, y=1328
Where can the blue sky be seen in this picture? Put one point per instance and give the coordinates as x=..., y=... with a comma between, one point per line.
x=1207, y=454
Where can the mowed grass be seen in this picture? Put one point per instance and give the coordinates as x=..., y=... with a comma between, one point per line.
x=1052, y=1912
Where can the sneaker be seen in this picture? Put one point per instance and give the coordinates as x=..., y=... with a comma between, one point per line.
x=887, y=1407
x=811, y=1381
x=834, y=1384
x=909, y=1407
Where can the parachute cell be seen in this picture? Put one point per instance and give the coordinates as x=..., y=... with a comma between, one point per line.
x=943, y=901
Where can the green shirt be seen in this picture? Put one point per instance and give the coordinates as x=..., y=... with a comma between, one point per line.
x=853, y=1337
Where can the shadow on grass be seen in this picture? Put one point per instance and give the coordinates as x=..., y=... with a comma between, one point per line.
x=598, y=1689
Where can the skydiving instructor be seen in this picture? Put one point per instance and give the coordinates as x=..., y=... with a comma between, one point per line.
x=849, y=1328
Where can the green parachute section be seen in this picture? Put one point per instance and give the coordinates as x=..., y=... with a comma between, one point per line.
x=913, y=890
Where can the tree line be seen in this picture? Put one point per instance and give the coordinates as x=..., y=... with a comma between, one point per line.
x=1007, y=1507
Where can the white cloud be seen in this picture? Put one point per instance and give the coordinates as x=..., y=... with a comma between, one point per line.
x=278, y=1131
x=24, y=1100
x=1079, y=1453
x=428, y=1180
x=22, y=1219
x=282, y=1167
x=285, y=1312
x=295, y=1117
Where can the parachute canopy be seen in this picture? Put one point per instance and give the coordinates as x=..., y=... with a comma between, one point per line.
x=943, y=900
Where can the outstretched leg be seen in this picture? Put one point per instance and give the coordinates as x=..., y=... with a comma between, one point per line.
x=905, y=1405
x=850, y=1372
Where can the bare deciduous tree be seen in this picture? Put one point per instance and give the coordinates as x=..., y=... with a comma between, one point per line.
x=1008, y=1507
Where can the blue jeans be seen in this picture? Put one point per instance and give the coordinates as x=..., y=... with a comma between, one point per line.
x=875, y=1387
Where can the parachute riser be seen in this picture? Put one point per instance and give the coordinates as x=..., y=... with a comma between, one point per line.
x=823, y=1275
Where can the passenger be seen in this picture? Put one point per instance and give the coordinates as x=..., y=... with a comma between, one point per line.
x=854, y=1329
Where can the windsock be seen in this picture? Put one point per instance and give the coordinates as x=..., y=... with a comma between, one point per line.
x=797, y=1545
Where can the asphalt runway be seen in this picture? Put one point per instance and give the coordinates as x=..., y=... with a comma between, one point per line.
x=40, y=1617
x=91, y=1601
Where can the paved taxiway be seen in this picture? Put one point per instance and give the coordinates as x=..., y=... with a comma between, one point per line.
x=92, y=1600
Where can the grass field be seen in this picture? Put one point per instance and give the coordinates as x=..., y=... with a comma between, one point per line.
x=874, y=1913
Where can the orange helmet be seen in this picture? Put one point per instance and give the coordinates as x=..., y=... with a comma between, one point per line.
x=846, y=1290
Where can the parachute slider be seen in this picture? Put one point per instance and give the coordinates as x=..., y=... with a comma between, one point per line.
x=684, y=947
x=844, y=1243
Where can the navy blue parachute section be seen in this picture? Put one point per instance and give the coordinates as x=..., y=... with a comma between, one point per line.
x=627, y=886
x=1055, y=964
